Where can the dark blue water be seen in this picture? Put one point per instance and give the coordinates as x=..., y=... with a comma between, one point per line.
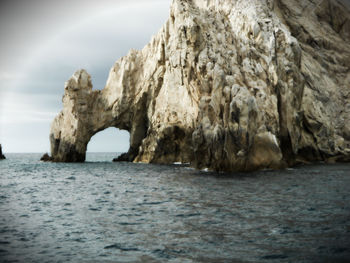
x=124, y=212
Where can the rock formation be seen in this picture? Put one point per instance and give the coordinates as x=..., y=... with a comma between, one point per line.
x=2, y=157
x=46, y=158
x=225, y=84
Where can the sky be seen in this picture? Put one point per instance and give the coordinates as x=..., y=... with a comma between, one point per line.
x=44, y=42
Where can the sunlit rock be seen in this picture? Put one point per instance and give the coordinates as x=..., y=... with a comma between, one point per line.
x=227, y=85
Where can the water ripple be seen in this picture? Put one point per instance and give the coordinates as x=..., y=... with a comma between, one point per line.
x=124, y=212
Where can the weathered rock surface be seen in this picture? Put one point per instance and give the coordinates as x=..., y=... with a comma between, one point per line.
x=228, y=85
x=2, y=157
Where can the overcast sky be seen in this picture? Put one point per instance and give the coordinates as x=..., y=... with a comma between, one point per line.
x=42, y=44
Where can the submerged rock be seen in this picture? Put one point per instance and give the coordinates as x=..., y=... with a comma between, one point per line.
x=2, y=156
x=228, y=85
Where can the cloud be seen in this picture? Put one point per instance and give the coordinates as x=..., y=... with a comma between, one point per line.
x=44, y=42
x=23, y=108
x=7, y=76
x=94, y=44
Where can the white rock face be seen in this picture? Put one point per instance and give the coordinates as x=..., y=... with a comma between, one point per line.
x=229, y=85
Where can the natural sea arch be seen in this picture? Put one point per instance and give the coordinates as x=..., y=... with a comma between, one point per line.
x=87, y=112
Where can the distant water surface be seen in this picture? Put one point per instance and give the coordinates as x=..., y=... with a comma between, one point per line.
x=101, y=211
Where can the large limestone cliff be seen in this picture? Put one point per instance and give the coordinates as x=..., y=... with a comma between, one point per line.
x=225, y=84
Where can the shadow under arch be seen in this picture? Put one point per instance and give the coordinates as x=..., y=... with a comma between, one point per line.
x=107, y=143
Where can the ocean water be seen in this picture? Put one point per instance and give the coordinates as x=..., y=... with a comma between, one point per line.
x=101, y=211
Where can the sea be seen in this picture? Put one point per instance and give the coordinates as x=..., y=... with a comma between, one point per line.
x=100, y=211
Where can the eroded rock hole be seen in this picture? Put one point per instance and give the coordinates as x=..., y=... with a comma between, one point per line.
x=107, y=145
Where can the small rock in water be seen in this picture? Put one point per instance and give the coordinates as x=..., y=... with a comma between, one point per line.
x=122, y=158
x=46, y=158
x=2, y=157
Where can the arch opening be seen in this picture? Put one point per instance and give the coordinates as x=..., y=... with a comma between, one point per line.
x=107, y=144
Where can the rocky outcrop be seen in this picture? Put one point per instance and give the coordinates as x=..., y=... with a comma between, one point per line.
x=46, y=158
x=2, y=157
x=228, y=85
